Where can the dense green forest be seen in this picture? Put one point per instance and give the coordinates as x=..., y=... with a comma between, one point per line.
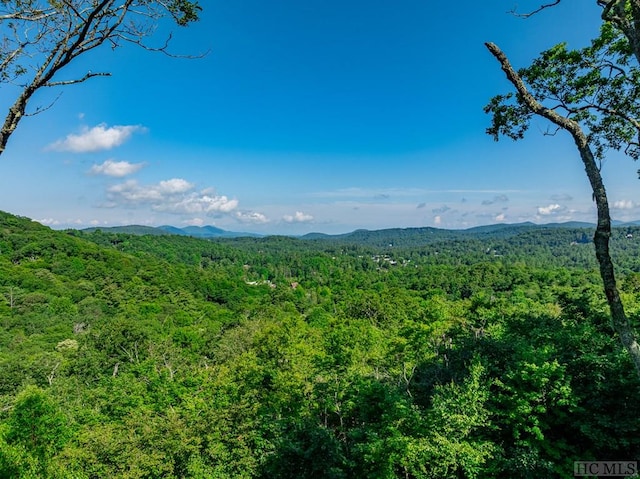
x=382, y=355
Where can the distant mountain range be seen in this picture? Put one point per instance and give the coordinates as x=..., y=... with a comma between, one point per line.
x=427, y=234
x=193, y=231
x=499, y=229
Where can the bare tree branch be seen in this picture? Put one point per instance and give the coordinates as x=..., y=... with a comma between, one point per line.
x=41, y=109
x=538, y=10
x=78, y=80
x=33, y=16
x=40, y=39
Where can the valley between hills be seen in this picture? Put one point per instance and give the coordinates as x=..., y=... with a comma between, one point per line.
x=404, y=353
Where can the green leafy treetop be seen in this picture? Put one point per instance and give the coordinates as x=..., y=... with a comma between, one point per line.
x=597, y=87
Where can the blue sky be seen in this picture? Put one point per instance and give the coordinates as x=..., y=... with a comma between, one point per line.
x=320, y=115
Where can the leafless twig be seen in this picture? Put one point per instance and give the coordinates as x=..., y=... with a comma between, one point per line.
x=538, y=10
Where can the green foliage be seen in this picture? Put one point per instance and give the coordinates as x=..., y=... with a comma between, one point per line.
x=34, y=433
x=176, y=357
x=184, y=11
x=597, y=86
x=453, y=447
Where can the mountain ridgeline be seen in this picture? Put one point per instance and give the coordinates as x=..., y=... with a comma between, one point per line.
x=383, y=237
x=404, y=353
x=194, y=231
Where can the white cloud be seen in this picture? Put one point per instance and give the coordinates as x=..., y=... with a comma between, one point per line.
x=550, y=210
x=437, y=220
x=174, y=185
x=117, y=169
x=298, y=217
x=97, y=138
x=194, y=222
x=48, y=222
x=198, y=203
x=623, y=205
x=500, y=217
x=172, y=196
x=131, y=192
x=251, y=217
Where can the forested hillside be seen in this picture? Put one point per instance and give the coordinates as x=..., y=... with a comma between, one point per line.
x=127, y=356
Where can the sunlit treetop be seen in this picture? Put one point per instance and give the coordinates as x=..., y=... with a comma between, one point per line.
x=597, y=86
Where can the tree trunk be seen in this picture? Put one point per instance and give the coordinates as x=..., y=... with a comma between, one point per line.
x=16, y=112
x=601, y=240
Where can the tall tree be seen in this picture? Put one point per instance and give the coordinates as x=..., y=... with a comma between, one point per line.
x=594, y=95
x=40, y=38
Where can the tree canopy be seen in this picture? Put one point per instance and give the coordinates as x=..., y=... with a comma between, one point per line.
x=165, y=356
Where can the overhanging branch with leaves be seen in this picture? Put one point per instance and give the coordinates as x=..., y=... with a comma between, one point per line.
x=39, y=39
x=550, y=73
